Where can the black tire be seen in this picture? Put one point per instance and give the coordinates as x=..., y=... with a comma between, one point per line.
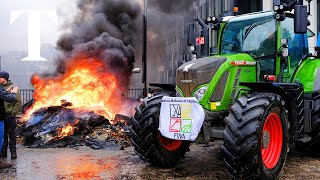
x=146, y=138
x=312, y=147
x=244, y=132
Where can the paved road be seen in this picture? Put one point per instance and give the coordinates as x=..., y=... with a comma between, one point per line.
x=202, y=162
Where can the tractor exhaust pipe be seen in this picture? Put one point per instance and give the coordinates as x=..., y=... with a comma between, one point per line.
x=205, y=33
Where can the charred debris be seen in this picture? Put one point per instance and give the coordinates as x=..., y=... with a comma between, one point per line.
x=60, y=126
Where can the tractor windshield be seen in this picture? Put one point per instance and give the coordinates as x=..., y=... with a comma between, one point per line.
x=254, y=34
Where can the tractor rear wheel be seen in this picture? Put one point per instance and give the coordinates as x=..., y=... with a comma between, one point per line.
x=256, y=137
x=149, y=144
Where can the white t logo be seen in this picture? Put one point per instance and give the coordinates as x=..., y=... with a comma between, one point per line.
x=33, y=31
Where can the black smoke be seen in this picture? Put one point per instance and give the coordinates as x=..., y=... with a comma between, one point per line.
x=169, y=6
x=112, y=31
x=104, y=30
x=166, y=20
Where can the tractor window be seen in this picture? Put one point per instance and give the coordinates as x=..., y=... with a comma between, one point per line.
x=255, y=36
x=298, y=43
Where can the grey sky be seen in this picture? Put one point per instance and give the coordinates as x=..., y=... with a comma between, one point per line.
x=14, y=37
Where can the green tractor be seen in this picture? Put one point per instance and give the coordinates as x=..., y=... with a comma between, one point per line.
x=260, y=93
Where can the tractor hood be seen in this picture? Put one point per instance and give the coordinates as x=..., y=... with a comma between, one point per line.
x=197, y=72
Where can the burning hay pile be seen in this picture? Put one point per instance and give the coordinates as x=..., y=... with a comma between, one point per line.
x=59, y=126
x=76, y=104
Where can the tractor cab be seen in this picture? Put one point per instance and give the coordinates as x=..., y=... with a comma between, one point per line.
x=267, y=42
x=254, y=47
x=255, y=35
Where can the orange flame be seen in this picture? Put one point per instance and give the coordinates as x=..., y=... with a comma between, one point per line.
x=85, y=83
x=65, y=131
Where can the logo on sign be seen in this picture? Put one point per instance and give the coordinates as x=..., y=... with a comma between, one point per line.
x=33, y=30
x=186, y=81
x=243, y=63
x=200, y=40
x=180, y=118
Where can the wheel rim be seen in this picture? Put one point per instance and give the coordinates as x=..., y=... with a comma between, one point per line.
x=170, y=144
x=271, y=140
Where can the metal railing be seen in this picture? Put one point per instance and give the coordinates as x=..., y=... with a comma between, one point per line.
x=134, y=94
x=26, y=95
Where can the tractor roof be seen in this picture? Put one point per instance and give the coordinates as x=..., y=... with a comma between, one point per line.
x=248, y=16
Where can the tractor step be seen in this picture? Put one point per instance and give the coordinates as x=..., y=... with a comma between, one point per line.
x=305, y=139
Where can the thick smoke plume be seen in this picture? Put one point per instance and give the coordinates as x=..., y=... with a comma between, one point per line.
x=111, y=30
x=165, y=21
x=104, y=30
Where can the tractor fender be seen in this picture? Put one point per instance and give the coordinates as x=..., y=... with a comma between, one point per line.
x=309, y=75
x=316, y=86
x=167, y=87
x=276, y=88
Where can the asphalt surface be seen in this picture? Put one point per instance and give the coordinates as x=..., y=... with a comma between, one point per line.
x=202, y=162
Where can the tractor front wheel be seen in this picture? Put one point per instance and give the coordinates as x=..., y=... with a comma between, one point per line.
x=256, y=137
x=149, y=144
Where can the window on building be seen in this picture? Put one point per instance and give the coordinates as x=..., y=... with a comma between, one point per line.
x=318, y=11
x=248, y=6
x=162, y=76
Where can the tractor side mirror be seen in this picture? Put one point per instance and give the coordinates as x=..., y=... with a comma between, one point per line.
x=191, y=34
x=300, y=19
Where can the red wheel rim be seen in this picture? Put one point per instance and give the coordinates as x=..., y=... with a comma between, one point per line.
x=271, y=140
x=170, y=144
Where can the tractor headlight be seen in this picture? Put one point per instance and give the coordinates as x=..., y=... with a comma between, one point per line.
x=199, y=93
x=281, y=7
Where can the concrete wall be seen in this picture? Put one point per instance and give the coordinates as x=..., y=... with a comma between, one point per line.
x=267, y=5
